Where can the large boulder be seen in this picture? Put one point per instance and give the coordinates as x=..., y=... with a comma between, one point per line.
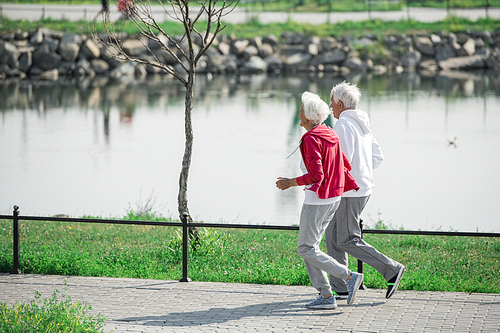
x=25, y=61
x=71, y=38
x=50, y=75
x=90, y=49
x=68, y=51
x=271, y=40
x=249, y=51
x=9, y=54
x=469, y=46
x=330, y=58
x=134, y=47
x=45, y=59
x=125, y=69
x=224, y=48
x=411, y=59
x=265, y=50
x=444, y=51
x=239, y=46
x=99, y=66
x=274, y=64
x=424, y=45
x=470, y=62
x=354, y=64
x=37, y=37
x=254, y=64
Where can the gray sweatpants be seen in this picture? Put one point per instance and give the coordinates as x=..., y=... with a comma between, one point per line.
x=343, y=236
x=313, y=222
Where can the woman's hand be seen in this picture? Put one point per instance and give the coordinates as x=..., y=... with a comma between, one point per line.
x=285, y=183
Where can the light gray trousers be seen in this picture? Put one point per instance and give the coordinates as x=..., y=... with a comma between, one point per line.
x=313, y=222
x=343, y=236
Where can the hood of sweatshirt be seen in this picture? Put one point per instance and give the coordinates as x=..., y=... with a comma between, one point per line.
x=324, y=133
x=361, y=118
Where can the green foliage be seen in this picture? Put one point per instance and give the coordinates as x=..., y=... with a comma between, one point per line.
x=49, y=315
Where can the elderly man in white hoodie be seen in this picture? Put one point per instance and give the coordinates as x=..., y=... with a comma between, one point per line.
x=343, y=235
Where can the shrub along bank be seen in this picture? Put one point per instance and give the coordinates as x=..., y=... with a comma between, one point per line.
x=48, y=54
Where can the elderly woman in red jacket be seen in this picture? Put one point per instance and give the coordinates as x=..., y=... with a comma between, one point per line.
x=326, y=177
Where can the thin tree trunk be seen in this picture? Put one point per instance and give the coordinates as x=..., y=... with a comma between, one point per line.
x=188, y=149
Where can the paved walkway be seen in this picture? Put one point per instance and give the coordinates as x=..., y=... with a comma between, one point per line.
x=76, y=12
x=134, y=305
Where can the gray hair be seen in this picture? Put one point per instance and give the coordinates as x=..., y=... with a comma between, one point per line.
x=347, y=93
x=315, y=109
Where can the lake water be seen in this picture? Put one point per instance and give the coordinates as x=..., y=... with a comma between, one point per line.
x=99, y=146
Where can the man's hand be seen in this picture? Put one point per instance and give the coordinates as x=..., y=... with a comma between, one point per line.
x=285, y=183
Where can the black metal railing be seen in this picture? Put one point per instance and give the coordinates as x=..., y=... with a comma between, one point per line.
x=15, y=217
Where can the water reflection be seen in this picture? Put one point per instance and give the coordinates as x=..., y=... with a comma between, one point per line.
x=244, y=128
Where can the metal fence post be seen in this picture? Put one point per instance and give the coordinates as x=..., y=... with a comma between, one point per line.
x=360, y=263
x=185, y=248
x=15, y=232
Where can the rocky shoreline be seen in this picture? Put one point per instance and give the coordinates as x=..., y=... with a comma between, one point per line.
x=46, y=54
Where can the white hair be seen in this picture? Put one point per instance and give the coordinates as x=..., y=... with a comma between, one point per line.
x=315, y=109
x=347, y=93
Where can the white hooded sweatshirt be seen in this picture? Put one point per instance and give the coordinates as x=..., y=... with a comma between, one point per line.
x=360, y=147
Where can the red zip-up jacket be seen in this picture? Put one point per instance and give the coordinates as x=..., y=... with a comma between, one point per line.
x=327, y=166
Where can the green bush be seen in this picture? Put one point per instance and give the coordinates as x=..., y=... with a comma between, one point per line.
x=52, y=315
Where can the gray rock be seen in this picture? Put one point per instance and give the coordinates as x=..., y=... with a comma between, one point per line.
x=271, y=40
x=313, y=49
x=379, y=70
x=254, y=65
x=444, y=51
x=66, y=68
x=492, y=62
x=296, y=60
x=99, y=66
x=25, y=61
x=479, y=43
x=429, y=64
x=333, y=58
x=71, y=38
x=24, y=35
x=68, y=51
x=411, y=59
x=90, y=49
x=9, y=55
x=363, y=41
x=140, y=70
x=469, y=46
x=52, y=43
x=274, y=64
x=435, y=39
x=424, y=45
x=256, y=41
x=45, y=59
x=462, y=38
x=239, y=46
x=290, y=50
x=265, y=50
x=35, y=70
x=484, y=52
x=37, y=37
x=50, y=75
x=202, y=65
x=354, y=65
x=52, y=33
x=231, y=63
x=83, y=67
x=224, y=48
x=125, y=69
x=329, y=68
x=470, y=62
x=328, y=43
x=293, y=38
x=134, y=47
x=249, y=51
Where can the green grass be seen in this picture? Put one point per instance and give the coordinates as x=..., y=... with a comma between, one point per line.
x=460, y=264
x=55, y=314
x=256, y=28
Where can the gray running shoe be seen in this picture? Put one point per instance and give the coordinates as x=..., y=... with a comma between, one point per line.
x=353, y=285
x=322, y=303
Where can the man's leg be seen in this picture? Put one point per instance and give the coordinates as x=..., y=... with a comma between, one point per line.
x=313, y=222
x=349, y=238
x=338, y=285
